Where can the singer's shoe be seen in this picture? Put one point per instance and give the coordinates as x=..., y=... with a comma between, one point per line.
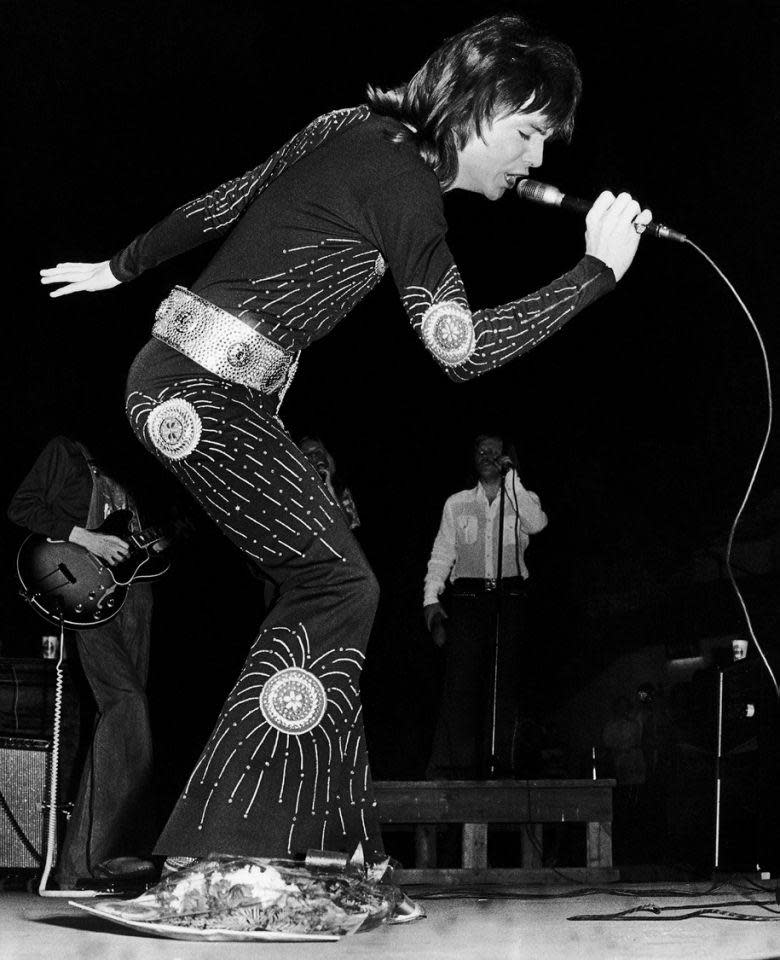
x=126, y=868
x=115, y=874
x=174, y=864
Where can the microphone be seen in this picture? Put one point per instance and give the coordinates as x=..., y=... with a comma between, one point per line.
x=546, y=193
x=504, y=463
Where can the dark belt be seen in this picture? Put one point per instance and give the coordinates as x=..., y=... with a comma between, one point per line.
x=473, y=585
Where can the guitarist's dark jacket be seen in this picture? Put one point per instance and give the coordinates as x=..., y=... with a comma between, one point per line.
x=55, y=495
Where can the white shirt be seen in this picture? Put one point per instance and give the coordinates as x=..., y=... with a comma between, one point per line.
x=467, y=542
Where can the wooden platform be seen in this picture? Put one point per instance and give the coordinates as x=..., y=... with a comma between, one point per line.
x=476, y=804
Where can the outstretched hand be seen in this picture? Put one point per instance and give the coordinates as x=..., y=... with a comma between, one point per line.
x=614, y=226
x=79, y=276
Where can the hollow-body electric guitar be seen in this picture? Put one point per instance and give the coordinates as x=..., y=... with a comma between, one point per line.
x=67, y=584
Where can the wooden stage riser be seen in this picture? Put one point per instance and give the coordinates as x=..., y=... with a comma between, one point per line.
x=598, y=845
x=478, y=804
x=504, y=875
x=514, y=801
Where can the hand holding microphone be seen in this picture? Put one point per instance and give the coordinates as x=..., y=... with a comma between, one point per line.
x=613, y=231
x=614, y=224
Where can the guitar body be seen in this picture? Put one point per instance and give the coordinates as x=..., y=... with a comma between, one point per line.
x=64, y=582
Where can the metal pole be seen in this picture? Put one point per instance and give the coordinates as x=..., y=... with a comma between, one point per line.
x=51, y=833
x=717, y=767
x=497, y=623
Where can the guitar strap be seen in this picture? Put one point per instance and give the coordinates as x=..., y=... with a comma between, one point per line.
x=107, y=497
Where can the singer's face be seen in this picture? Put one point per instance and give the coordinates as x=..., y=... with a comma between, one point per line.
x=510, y=146
x=485, y=457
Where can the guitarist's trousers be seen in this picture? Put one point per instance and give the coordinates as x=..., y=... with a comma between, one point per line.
x=116, y=779
x=286, y=768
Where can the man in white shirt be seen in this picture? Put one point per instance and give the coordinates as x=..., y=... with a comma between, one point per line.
x=466, y=552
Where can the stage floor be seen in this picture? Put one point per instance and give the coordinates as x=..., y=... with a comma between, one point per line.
x=536, y=925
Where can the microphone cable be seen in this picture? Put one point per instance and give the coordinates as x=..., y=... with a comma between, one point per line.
x=546, y=194
x=759, y=459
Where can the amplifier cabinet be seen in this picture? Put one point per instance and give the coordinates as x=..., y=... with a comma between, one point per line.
x=27, y=697
x=24, y=787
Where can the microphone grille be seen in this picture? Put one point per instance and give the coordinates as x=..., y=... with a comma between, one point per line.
x=539, y=192
x=531, y=190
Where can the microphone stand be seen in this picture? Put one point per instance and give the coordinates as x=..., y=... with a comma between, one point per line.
x=493, y=763
x=53, y=804
x=718, y=767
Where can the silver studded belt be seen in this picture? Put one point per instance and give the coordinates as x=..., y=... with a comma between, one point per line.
x=220, y=342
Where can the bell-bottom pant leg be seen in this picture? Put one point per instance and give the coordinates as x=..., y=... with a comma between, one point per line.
x=286, y=768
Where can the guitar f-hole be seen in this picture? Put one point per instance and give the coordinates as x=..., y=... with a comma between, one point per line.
x=66, y=573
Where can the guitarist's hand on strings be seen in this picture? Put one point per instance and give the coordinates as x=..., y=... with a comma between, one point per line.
x=79, y=276
x=104, y=545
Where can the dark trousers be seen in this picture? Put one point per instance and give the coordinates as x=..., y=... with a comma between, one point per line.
x=464, y=731
x=286, y=768
x=113, y=813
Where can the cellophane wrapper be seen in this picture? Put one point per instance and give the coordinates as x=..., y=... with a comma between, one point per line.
x=253, y=894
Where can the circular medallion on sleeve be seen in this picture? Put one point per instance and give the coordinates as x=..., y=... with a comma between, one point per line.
x=293, y=701
x=174, y=428
x=448, y=332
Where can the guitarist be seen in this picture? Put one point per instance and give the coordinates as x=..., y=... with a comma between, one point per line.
x=65, y=496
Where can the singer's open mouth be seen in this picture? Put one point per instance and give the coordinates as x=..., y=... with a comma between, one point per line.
x=512, y=178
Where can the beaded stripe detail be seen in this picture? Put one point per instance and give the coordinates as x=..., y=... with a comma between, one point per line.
x=500, y=333
x=294, y=721
x=321, y=283
x=221, y=207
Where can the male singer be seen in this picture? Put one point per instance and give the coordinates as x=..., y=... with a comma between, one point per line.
x=303, y=238
x=466, y=552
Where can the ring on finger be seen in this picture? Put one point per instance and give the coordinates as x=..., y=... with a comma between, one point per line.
x=640, y=227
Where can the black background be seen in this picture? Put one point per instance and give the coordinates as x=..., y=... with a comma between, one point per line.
x=638, y=425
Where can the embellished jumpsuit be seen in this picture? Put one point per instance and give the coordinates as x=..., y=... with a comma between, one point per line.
x=303, y=238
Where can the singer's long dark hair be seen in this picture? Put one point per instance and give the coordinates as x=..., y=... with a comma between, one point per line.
x=500, y=65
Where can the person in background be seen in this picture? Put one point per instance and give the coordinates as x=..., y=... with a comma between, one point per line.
x=65, y=496
x=622, y=739
x=321, y=459
x=465, y=553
